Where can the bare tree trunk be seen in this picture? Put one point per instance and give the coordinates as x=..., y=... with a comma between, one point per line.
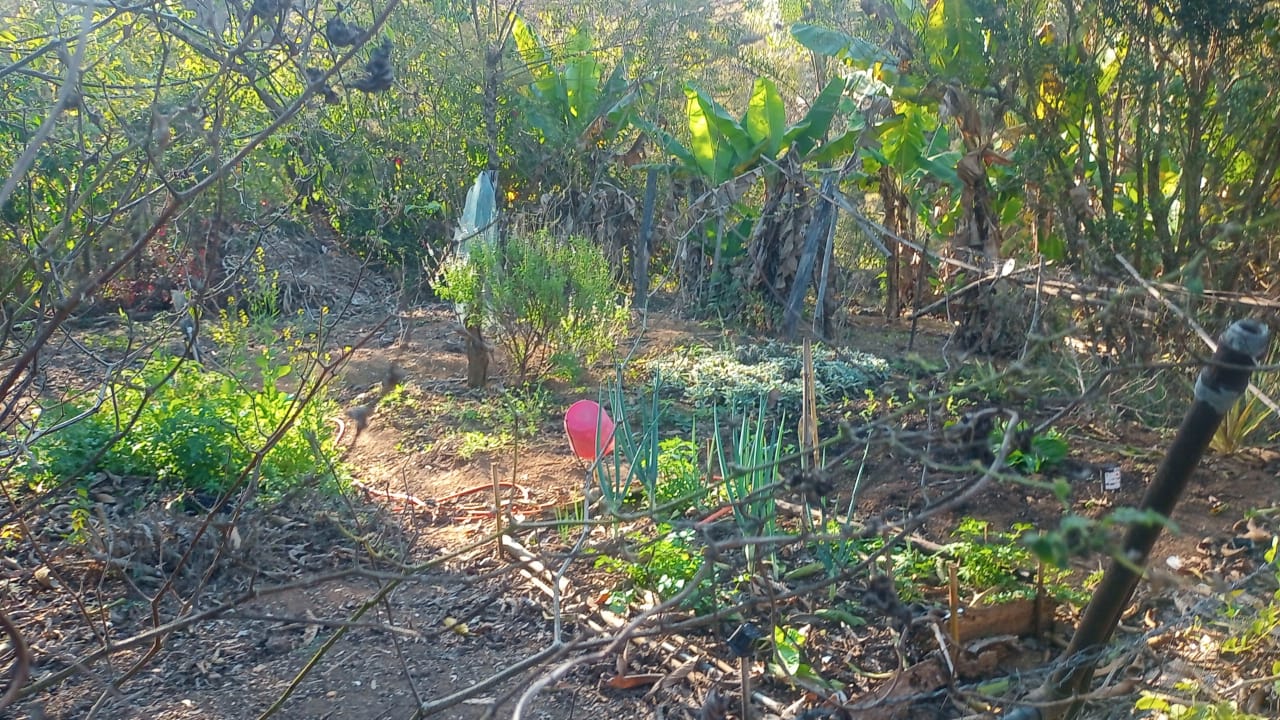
x=478, y=352
x=895, y=210
x=640, y=253
x=826, y=305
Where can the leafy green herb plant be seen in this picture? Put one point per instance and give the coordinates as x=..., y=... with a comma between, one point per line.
x=680, y=485
x=1042, y=451
x=196, y=430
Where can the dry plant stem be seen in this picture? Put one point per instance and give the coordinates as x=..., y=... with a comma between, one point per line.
x=537, y=686
x=51, y=46
x=876, y=229
x=64, y=310
x=68, y=90
x=537, y=573
x=325, y=622
x=918, y=294
x=22, y=447
x=809, y=590
x=685, y=652
x=679, y=657
x=404, y=668
x=991, y=276
x=332, y=640
x=546, y=655
x=953, y=599
x=391, y=495
x=1055, y=708
x=383, y=592
x=19, y=514
x=515, y=468
x=564, y=567
x=175, y=203
x=149, y=636
x=944, y=648
x=161, y=630
x=497, y=510
x=21, y=660
x=1035, y=311
x=963, y=494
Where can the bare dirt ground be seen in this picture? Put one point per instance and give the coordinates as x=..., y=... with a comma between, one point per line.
x=346, y=576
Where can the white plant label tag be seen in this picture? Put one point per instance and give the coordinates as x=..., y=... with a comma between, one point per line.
x=1111, y=478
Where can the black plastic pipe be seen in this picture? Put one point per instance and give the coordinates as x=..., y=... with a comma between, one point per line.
x=1221, y=383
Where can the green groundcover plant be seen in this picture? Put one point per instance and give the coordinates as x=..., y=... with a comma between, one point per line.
x=196, y=430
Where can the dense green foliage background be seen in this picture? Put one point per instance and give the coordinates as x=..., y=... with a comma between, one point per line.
x=1091, y=127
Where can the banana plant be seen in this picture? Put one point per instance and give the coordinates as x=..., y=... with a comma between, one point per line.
x=570, y=120
x=570, y=101
x=927, y=177
x=911, y=140
x=722, y=147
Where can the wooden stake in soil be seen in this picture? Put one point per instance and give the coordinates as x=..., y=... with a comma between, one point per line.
x=497, y=508
x=953, y=597
x=810, y=455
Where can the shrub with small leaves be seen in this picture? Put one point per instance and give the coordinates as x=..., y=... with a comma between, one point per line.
x=551, y=303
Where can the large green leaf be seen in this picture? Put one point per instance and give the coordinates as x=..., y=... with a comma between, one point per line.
x=582, y=89
x=838, y=147
x=943, y=166
x=549, y=125
x=826, y=41
x=804, y=135
x=1110, y=64
x=954, y=36
x=704, y=142
x=617, y=91
x=535, y=55
x=719, y=143
x=902, y=139
x=730, y=130
x=619, y=113
x=766, y=117
x=579, y=42
x=671, y=145
x=619, y=81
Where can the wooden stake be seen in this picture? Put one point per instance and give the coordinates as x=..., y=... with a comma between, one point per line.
x=953, y=598
x=497, y=507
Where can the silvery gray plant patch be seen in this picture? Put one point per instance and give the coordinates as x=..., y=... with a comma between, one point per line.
x=747, y=372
